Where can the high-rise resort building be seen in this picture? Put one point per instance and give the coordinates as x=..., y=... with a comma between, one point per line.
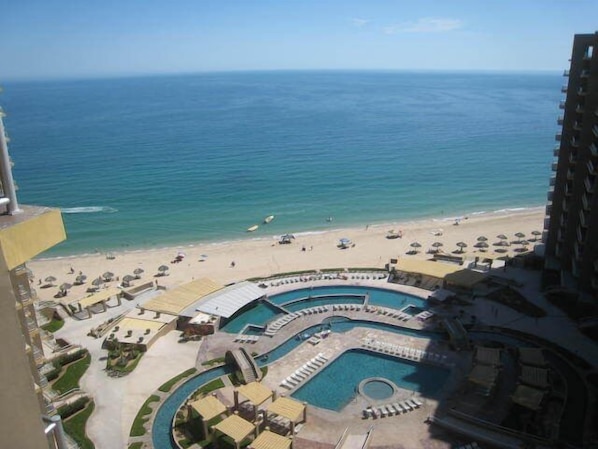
x=571, y=226
x=27, y=418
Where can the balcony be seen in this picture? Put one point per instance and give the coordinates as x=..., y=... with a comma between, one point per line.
x=595, y=130
x=594, y=150
x=581, y=235
x=548, y=209
x=566, y=73
x=562, y=104
x=552, y=181
x=560, y=120
x=31, y=325
x=589, y=185
x=591, y=168
x=574, y=142
x=582, y=92
x=38, y=356
x=568, y=189
x=564, y=88
x=570, y=174
x=578, y=251
x=558, y=137
x=585, y=203
x=585, y=74
x=563, y=220
x=577, y=126
x=573, y=157
x=550, y=194
x=580, y=109
x=554, y=166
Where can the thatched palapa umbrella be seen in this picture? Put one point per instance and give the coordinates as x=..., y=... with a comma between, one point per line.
x=436, y=246
x=137, y=272
x=79, y=280
x=536, y=235
x=415, y=246
x=462, y=246
x=162, y=269
x=108, y=275
x=50, y=279
x=97, y=281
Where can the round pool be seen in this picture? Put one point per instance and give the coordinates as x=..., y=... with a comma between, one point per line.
x=377, y=388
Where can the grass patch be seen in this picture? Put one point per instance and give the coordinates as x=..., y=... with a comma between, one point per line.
x=264, y=371
x=167, y=386
x=75, y=427
x=53, y=325
x=138, y=427
x=216, y=361
x=137, y=445
x=70, y=379
x=211, y=386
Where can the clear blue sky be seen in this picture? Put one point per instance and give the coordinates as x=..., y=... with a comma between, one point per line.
x=77, y=38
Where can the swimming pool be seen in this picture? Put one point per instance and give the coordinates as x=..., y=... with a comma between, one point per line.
x=342, y=373
x=319, y=296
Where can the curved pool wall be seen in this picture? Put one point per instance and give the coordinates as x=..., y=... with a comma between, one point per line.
x=320, y=296
x=422, y=378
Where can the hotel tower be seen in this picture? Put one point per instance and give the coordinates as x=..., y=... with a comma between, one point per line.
x=571, y=225
x=27, y=418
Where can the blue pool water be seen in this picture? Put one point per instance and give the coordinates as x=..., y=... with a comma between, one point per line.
x=259, y=315
x=262, y=313
x=422, y=378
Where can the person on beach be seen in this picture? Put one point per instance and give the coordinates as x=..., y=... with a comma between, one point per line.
x=232, y=264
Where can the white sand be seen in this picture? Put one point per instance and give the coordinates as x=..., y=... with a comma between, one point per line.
x=263, y=257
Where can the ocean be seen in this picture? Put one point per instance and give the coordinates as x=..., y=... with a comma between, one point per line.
x=167, y=160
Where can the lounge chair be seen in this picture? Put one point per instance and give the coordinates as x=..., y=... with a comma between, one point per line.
x=398, y=408
x=417, y=401
x=407, y=406
x=412, y=403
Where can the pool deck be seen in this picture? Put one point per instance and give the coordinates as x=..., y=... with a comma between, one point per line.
x=324, y=427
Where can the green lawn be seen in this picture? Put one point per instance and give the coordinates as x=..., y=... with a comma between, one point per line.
x=53, y=325
x=167, y=386
x=71, y=375
x=138, y=427
x=75, y=427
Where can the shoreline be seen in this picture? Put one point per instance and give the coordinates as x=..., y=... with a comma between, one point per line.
x=442, y=220
x=263, y=257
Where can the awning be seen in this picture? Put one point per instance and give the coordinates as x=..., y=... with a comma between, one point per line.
x=532, y=356
x=441, y=294
x=287, y=408
x=176, y=300
x=208, y=407
x=483, y=375
x=255, y=392
x=96, y=298
x=534, y=376
x=227, y=301
x=528, y=397
x=235, y=427
x=270, y=440
x=487, y=356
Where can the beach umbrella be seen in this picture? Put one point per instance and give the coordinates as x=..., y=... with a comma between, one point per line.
x=97, y=282
x=80, y=279
x=108, y=275
x=461, y=246
x=502, y=237
x=415, y=246
x=519, y=235
x=64, y=287
x=137, y=272
x=128, y=278
x=163, y=268
x=481, y=245
x=536, y=234
x=481, y=238
x=180, y=254
x=50, y=279
x=436, y=246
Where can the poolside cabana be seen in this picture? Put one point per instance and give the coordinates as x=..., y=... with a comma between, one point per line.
x=535, y=377
x=98, y=298
x=532, y=356
x=270, y=440
x=485, y=377
x=208, y=408
x=487, y=356
x=528, y=397
x=290, y=409
x=255, y=393
x=235, y=428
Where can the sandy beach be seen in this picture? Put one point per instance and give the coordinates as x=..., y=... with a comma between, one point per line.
x=265, y=256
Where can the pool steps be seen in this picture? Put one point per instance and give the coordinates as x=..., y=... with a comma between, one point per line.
x=304, y=372
x=392, y=409
x=279, y=323
x=405, y=352
x=244, y=338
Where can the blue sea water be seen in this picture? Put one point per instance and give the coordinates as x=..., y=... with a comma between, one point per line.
x=166, y=160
